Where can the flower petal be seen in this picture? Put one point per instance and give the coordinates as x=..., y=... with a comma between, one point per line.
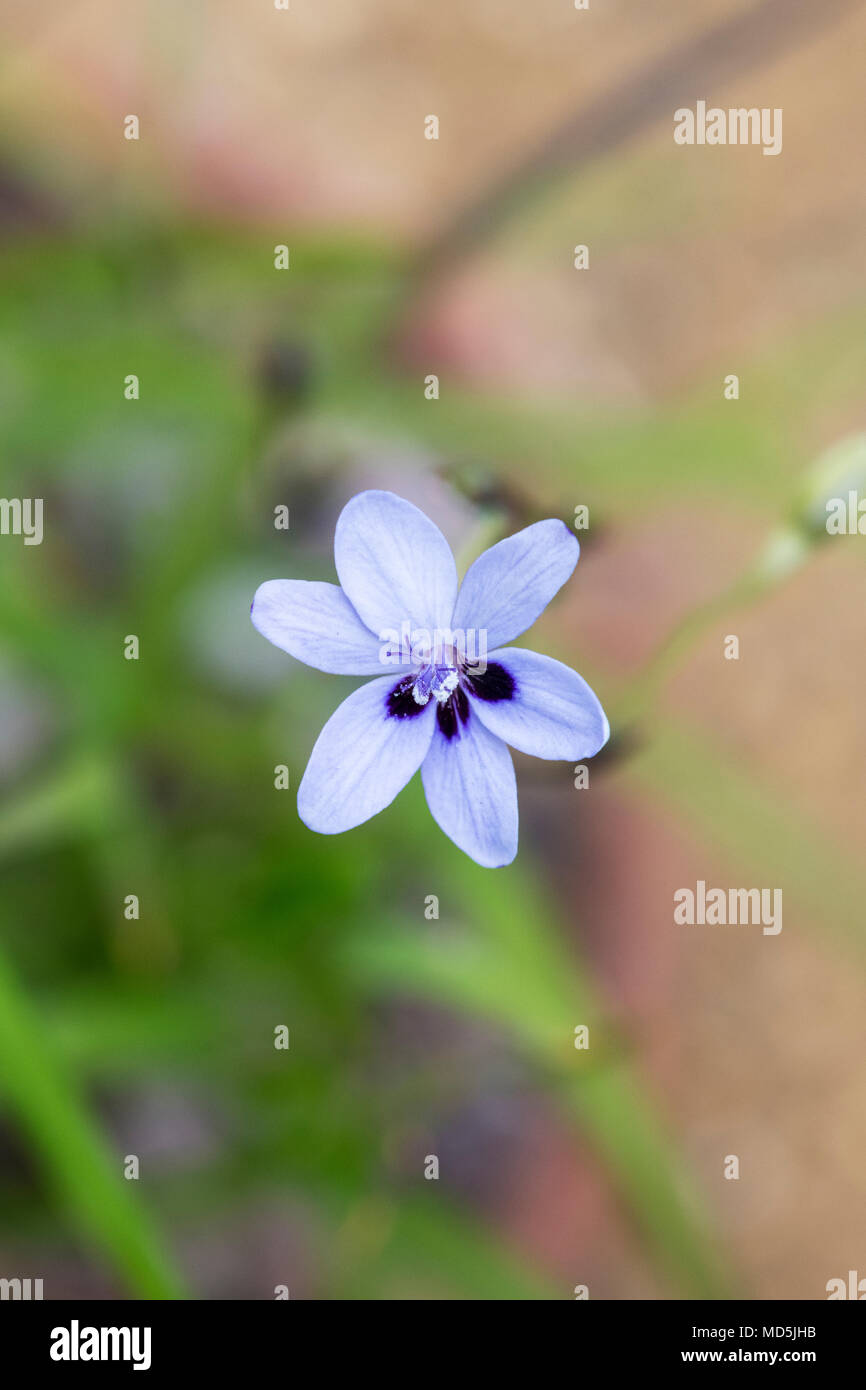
x=472, y=793
x=512, y=583
x=552, y=712
x=362, y=758
x=317, y=624
x=394, y=564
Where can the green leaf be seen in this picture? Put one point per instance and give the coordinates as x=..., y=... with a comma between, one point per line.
x=75, y=1157
x=511, y=968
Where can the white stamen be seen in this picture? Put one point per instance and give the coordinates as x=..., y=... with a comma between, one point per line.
x=438, y=681
x=445, y=688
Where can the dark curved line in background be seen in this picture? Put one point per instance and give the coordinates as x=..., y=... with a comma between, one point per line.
x=677, y=79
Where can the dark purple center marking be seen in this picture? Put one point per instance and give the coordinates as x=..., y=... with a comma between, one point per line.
x=453, y=713
x=401, y=703
x=494, y=683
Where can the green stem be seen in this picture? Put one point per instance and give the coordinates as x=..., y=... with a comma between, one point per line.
x=641, y=694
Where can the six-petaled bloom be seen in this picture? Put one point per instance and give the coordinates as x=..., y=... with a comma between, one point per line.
x=454, y=694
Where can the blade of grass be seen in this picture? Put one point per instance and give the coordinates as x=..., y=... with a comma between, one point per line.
x=76, y=1159
x=387, y=1248
x=511, y=968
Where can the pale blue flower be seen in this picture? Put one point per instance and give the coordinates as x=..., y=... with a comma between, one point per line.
x=454, y=694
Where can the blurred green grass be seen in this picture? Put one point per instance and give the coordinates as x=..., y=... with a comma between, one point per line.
x=156, y=778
